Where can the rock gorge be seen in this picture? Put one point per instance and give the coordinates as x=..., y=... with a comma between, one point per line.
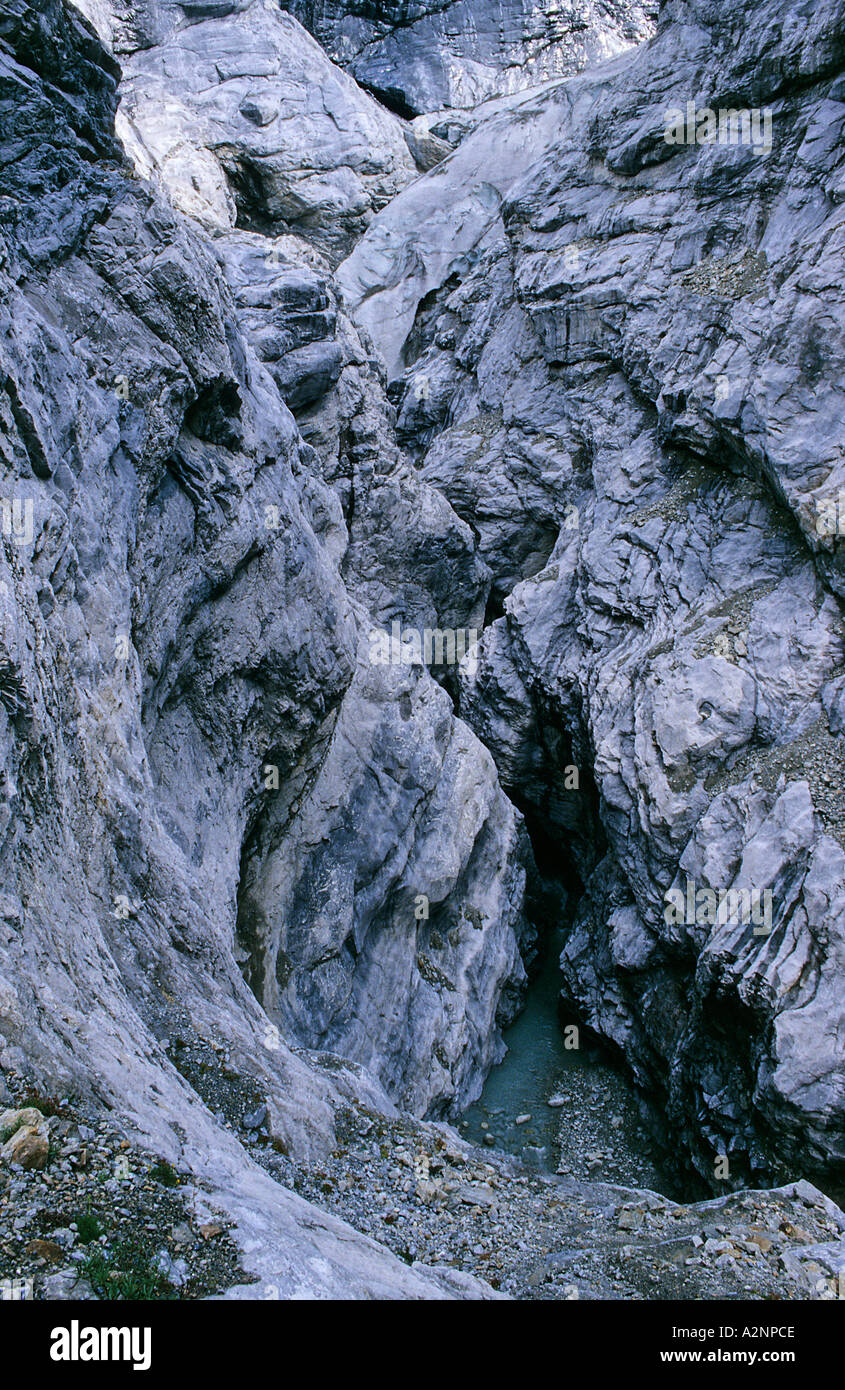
x=418, y=318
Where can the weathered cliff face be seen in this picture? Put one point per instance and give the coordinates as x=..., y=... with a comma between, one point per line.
x=186, y=685
x=245, y=121
x=626, y=372
x=429, y=54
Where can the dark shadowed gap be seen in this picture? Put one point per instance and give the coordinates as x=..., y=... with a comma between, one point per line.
x=585, y=1118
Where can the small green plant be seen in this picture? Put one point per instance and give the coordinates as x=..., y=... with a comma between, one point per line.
x=88, y=1226
x=8, y=1130
x=164, y=1173
x=125, y=1272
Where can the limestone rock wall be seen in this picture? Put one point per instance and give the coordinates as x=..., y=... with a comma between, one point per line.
x=624, y=369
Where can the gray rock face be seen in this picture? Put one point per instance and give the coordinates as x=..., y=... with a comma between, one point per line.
x=289, y=312
x=174, y=620
x=243, y=121
x=428, y=54
x=622, y=366
x=414, y=1000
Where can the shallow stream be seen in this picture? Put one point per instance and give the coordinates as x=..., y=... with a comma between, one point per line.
x=593, y=1129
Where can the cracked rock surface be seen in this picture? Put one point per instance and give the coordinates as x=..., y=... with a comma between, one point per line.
x=245, y=121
